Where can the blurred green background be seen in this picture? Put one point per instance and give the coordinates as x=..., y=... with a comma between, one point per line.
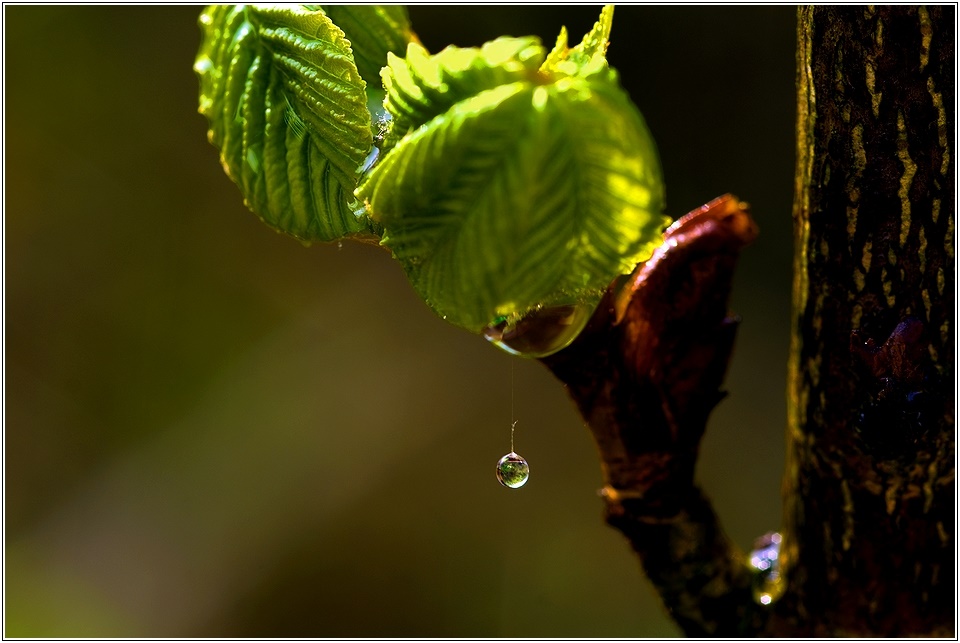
x=212, y=430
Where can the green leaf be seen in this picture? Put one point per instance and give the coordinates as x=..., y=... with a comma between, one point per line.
x=586, y=58
x=421, y=87
x=373, y=31
x=534, y=191
x=287, y=109
x=558, y=53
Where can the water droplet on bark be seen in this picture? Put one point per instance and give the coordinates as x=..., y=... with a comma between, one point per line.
x=768, y=585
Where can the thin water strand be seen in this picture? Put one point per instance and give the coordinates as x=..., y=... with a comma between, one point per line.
x=513, y=388
x=512, y=469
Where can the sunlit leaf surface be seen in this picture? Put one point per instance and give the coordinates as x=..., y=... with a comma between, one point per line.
x=514, y=182
x=287, y=109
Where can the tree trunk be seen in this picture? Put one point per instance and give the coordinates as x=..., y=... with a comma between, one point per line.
x=868, y=544
x=868, y=541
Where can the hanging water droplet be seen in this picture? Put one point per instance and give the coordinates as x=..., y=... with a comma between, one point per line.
x=768, y=585
x=541, y=332
x=513, y=471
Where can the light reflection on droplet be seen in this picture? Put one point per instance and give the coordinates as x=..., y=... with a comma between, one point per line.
x=370, y=161
x=513, y=471
x=359, y=208
x=768, y=584
x=541, y=332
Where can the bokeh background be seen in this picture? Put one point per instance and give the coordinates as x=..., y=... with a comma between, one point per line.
x=212, y=430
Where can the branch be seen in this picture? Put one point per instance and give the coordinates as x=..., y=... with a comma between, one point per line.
x=645, y=374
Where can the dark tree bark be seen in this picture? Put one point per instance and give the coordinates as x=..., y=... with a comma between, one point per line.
x=868, y=542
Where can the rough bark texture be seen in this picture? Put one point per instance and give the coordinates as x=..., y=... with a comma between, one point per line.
x=868, y=545
x=868, y=542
